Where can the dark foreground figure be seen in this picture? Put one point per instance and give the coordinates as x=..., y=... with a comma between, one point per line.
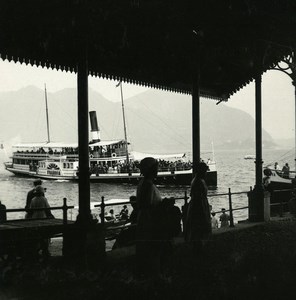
x=198, y=219
x=149, y=236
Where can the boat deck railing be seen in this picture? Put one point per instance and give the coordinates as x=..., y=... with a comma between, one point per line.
x=30, y=154
x=288, y=175
x=181, y=167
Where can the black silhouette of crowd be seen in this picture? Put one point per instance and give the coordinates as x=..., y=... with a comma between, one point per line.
x=134, y=167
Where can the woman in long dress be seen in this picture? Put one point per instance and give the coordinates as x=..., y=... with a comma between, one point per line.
x=198, y=219
x=149, y=231
x=40, y=201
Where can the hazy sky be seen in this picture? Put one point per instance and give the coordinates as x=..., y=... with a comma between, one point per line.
x=277, y=92
x=278, y=103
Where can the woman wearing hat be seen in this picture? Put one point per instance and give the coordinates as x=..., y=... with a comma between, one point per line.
x=147, y=193
x=30, y=196
x=39, y=201
x=198, y=219
x=148, y=246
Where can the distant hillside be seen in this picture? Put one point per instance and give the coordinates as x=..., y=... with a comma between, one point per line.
x=156, y=121
x=169, y=116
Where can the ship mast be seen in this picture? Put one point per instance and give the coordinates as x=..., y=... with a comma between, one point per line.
x=124, y=124
x=47, y=120
x=213, y=153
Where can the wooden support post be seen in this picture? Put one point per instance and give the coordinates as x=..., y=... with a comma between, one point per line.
x=258, y=120
x=65, y=211
x=195, y=124
x=84, y=215
x=196, y=101
x=103, y=211
x=230, y=208
x=256, y=196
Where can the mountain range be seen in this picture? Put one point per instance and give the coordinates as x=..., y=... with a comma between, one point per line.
x=157, y=121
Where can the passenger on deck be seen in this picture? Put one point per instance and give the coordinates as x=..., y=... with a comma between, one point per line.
x=224, y=218
x=31, y=194
x=124, y=213
x=198, y=220
x=277, y=167
x=286, y=170
x=110, y=216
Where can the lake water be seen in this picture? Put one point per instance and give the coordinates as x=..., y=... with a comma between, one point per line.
x=233, y=172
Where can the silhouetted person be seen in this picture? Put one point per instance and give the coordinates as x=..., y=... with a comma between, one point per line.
x=31, y=194
x=173, y=217
x=198, y=220
x=286, y=171
x=3, y=217
x=276, y=166
x=224, y=218
x=39, y=201
x=124, y=213
x=149, y=231
x=110, y=216
x=127, y=236
x=133, y=218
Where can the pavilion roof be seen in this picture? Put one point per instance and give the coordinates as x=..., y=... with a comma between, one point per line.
x=155, y=43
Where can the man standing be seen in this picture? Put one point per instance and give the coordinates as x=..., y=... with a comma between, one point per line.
x=31, y=194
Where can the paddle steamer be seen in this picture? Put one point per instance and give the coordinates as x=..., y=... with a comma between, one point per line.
x=110, y=161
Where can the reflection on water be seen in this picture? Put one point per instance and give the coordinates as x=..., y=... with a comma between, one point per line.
x=233, y=172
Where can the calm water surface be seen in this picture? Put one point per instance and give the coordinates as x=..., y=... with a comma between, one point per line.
x=233, y=172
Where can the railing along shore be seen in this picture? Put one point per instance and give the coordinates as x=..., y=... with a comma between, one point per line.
x=230, y=209
x=230, y=206
x=103, y=205
x=64, y=208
